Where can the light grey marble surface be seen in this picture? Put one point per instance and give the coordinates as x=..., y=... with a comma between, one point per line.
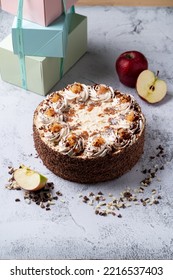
x=71, y=229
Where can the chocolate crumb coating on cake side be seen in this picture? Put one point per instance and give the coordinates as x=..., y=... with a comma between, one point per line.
x=89, y=134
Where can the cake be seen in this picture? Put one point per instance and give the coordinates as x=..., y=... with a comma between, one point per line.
x=89, y=133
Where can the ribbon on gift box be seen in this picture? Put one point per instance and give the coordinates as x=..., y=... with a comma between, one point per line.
x=21, y=54
x=72, y=10
x=20, y=44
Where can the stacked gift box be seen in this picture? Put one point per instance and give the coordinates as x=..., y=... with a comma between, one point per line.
x=47, y=39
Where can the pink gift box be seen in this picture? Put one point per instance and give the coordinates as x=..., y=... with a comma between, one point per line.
x=42, y=12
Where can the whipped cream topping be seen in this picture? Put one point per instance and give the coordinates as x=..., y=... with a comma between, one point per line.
x=89, y=121
x=101, y=92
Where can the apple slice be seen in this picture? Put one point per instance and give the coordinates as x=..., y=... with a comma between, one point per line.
x=149, y=87
x=29, y=179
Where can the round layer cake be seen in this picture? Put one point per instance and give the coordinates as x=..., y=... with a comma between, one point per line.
x=89, y=134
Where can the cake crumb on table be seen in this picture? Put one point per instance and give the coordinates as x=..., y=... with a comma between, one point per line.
x=128, y=197
x=43, y=198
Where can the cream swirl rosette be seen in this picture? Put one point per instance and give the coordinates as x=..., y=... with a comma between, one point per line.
x=97, y=146
x=48, y=115
x=123, y=138
x=71, y=145
x=101, y=92
x=55, y=131
x=124, y=102
x=58, y=102
x=76, y=91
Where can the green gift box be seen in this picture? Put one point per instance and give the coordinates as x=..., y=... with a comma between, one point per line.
x=42, y=73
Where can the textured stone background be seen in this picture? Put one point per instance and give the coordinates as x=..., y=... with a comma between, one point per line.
x=71, y=229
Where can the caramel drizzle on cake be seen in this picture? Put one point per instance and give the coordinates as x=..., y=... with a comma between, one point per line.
x=89, y=121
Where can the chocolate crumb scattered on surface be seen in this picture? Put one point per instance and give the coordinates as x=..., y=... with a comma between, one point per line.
x=103, y=204
x=119, y=216
x=135, y=196
x=43, y=198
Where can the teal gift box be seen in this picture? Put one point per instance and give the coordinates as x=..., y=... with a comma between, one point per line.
x=42, y=73
x=50, y=41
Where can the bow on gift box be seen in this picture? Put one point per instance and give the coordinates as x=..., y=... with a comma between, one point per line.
x=21, y=53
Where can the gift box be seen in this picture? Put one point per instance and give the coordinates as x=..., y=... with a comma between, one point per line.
x=42, y=73
x=42, y=12
x=42, y=41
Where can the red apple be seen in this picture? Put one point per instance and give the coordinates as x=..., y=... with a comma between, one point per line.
x=129, y=65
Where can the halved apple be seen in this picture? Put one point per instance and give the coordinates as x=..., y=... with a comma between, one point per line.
x=29, y=179
x=149, y=87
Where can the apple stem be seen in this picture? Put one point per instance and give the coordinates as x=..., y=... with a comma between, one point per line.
x=157, y=74
x=129, y=56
